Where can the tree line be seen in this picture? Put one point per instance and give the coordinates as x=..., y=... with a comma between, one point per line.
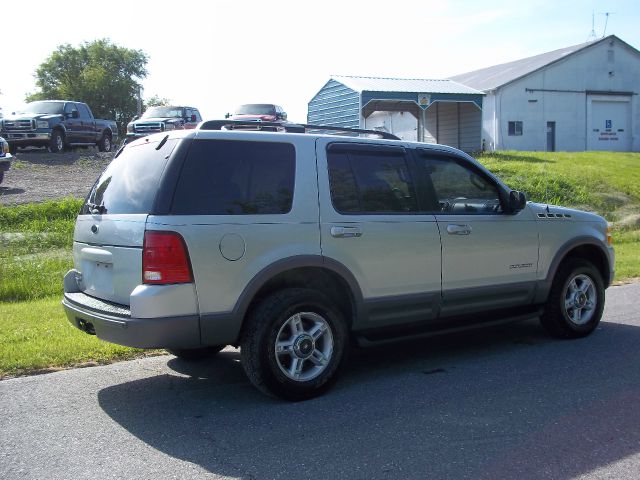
x=103, y=75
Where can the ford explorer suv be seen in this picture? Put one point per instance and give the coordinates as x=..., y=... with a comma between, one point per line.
x=292, y=245
x=163, y=119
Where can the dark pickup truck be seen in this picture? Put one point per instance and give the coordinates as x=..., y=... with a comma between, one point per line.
x=57, y=124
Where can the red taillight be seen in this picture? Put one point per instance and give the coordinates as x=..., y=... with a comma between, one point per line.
x=165, y=259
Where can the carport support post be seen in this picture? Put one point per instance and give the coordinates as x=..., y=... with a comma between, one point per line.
x=421, y=125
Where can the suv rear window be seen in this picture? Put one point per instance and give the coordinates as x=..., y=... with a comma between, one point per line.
x=130, y=182
x=226, y=177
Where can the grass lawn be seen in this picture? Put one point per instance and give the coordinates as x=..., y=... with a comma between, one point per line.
x=35, y=250
x=36, y=335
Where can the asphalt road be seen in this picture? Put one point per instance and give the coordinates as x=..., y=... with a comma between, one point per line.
x=505, y=403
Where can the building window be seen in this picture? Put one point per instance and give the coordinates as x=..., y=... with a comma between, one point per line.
x=515, y=129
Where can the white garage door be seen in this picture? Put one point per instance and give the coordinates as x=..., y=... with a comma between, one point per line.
x=610, y=124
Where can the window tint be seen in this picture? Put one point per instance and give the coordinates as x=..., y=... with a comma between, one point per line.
x=370, y=182
x=84, y=110
x=461, y=190
x=130, y=182
x=223, y=177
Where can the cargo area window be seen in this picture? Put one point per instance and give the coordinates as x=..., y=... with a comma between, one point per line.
x=226, y=177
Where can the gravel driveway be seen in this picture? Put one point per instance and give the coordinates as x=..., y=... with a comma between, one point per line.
x=37, y=175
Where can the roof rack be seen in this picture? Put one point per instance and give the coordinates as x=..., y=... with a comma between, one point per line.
x=286, y=126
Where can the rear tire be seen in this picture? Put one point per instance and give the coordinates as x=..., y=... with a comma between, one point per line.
x=294, y=344
x=56, y=144
x=104, y=144
x=195, y=354
x=576, y=300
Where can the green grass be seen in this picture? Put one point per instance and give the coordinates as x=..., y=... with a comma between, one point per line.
x=36, y=335
x=35, y=251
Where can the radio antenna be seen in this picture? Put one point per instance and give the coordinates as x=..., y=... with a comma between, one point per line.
x=592, y=36
x=606, y=20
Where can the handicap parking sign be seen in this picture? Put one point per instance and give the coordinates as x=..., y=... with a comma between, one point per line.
x=607, y=123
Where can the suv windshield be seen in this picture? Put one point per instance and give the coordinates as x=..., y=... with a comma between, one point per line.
x=130, y=182
x=44, y=107
x=163, y=112
x=256, y=109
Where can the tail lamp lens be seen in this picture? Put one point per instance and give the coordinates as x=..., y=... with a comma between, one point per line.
x=165, y=259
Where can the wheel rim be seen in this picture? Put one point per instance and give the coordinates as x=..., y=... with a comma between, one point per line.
x=580, y=299
x=304, y=346
x=59, y=143
x=107, y=144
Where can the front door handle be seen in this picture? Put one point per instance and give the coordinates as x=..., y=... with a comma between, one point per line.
x=456, y=229
x=346, y=232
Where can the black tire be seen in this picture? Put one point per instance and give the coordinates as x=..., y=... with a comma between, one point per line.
x=1, y=177
x=56, y=144
x=567, y=314
x=194, y=354
x=319, y=352
x=104, y=144
x=13, y=148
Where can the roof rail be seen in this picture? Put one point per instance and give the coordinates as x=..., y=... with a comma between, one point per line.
x=286, y=126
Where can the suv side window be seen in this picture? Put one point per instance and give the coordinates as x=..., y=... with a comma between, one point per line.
x=460, y=190
x=226, y=177
x=370, y=181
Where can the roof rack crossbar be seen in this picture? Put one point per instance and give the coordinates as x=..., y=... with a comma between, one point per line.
x=287, y=127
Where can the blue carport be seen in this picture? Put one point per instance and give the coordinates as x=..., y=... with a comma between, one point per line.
x=432, y=111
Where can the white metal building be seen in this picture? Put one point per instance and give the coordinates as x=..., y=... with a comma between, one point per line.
x=583, y=97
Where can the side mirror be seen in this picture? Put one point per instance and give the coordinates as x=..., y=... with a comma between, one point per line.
x=75, y=114
x=193, y=118
x=227, y=115
x=517, y=201
x=283, y=115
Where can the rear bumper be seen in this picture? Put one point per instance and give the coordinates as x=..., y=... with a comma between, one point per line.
x=113, y=323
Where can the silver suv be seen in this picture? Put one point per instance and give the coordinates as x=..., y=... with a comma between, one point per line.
x=292, y=245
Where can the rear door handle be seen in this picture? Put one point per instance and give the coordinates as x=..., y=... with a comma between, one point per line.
x=345, y=232
x=455, y=229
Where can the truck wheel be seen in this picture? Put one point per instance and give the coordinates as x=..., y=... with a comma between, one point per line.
x=576, y=300
x=294, y=344
x=56, y=144
x=1, y=177
x=194, y=354
x=104, y=144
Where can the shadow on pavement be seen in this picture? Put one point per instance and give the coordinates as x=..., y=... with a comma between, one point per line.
x=501, y=403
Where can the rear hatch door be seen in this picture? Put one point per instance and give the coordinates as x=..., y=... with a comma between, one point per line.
x=109, y=232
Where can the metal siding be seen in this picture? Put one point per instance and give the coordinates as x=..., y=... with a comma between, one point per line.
x=335, y=105
x=470, y=127
x=448, y=123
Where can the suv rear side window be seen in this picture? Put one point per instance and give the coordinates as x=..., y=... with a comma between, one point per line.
x=226, y=177
x=130, y=183
x=370, y=182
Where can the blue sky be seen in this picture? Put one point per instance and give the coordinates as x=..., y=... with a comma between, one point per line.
x=215, y=55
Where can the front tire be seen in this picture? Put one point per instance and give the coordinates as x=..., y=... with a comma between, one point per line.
x=56, y=144
x=576, y=300
x=294, y=344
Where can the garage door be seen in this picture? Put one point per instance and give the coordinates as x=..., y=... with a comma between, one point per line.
x=610, y=124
